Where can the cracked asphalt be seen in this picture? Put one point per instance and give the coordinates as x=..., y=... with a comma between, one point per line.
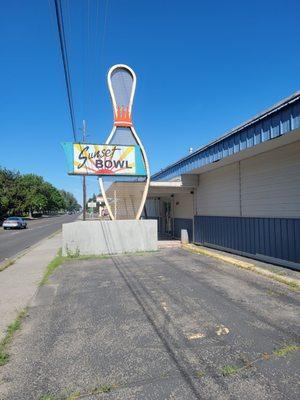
x=163, y=325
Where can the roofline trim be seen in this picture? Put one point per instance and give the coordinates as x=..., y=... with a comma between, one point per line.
x=276, y=107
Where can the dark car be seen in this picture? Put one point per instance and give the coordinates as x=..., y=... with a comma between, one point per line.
x=14, y=223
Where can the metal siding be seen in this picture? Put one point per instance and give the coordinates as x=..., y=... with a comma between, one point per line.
x=266, y=131
x=231, y=146
x=225, y=145
x=296, y=116
x=236, y=147
x=278, y=123
x=257, y=134
x=270, y=183
x=243, y=140
x=250, y=137
x=285, y=121
x=275, y=126
x=218, y=192
x=278, y=238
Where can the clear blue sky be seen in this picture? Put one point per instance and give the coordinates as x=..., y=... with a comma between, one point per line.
x=202, y=68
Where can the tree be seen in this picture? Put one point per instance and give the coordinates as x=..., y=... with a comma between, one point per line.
x=55, y=200
x=31, y=188
x=71, y=203
x=29, y=193
x=9, y=197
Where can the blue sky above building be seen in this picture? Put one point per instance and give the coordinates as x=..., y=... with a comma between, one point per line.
x=202, y=69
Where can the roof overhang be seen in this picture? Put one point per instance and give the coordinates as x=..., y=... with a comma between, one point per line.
x=250, y=152
x=281, y=120
x=167, y=188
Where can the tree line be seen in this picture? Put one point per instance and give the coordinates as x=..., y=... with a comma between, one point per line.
x=25, y=194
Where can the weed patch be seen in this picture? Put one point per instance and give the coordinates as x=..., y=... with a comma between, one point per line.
x=283, y=351
x=60, y=259
x=6, y=265
x=229, y=370
x=199, y=374
x=51, y=267
x=12, y=328
x=87, y=257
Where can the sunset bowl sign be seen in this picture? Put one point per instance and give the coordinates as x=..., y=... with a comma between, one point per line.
x=104, y=159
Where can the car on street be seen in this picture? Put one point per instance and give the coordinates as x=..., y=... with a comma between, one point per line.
x=14, y=223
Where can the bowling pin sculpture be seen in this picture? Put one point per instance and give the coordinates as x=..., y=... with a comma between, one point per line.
x=121, y=81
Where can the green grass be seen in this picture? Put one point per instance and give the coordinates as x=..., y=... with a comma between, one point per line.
x=229, y=370
x=60, y=259
x=6, y=265
x=101, y=389
x=51, y=267
x=199, y=374
x=12, y=328
x=283, y=351
x=48, y=397
x=96, y=390
x=87, y=257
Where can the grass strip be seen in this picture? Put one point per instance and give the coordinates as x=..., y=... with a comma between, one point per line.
x=51, y=267
x=60, y=259
x=285, y=350
x=6, y=265
x=12, y=328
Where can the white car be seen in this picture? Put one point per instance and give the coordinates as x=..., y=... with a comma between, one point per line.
x=14, y=223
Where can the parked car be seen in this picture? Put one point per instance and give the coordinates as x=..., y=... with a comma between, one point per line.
x=14, y=222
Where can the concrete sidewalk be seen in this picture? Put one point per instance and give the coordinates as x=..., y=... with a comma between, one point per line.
x=19, y=282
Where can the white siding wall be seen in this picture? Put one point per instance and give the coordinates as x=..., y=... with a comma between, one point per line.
x=184, y=208
x=270, y=183
x=218, y=192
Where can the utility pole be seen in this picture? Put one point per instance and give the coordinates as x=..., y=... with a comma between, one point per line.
x=83, y=177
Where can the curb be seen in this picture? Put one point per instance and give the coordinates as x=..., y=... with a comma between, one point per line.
x=292, y=283
x=10, y=261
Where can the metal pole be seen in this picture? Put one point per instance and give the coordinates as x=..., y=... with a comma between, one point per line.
x=83, y=178
x=115, y=200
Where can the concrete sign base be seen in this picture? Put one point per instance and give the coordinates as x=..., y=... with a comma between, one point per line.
x=108, y=237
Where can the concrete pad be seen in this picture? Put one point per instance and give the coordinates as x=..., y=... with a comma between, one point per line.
x=19, y=282
x=109, y=237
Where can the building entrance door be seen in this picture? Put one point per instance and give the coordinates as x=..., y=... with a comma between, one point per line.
x=167, y=218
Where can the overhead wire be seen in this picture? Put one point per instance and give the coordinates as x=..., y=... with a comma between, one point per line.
x=104, y=29
x=64, y=54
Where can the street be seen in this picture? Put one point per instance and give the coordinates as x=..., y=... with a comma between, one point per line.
x=162, y=325
x=15, y=241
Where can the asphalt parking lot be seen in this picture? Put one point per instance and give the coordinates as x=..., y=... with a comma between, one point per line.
x=161, y=325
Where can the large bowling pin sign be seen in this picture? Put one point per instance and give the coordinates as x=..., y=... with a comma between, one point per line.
x=121, y=81
x=123, y=153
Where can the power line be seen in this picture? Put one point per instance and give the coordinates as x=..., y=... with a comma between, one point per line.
x=64, y=54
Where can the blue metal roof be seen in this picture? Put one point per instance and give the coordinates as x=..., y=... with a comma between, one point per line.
x=278, y=120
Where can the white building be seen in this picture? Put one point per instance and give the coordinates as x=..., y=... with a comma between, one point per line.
x=240, y=193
